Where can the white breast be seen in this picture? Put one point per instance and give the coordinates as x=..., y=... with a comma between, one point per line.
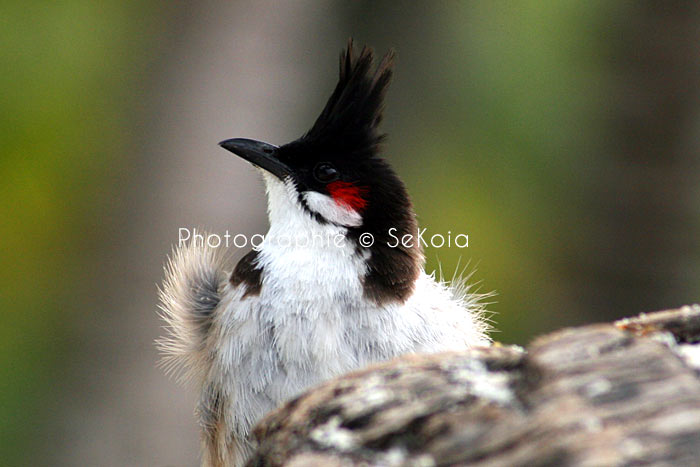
x=311, y=320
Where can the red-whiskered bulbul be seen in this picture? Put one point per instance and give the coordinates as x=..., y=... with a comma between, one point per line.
x=314, y=300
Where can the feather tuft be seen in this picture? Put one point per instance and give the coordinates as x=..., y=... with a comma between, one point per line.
x=467, y=296
x=191, y=292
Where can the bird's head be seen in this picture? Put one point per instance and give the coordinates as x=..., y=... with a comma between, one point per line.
x=334, y=173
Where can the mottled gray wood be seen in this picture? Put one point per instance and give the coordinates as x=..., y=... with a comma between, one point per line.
x=625, y=393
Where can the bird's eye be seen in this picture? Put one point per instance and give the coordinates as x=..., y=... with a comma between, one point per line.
x=325, y=173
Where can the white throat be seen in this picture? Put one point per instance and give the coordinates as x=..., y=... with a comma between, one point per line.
x=299, y=251
x=312, y=278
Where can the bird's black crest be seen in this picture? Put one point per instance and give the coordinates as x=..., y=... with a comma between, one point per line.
x=352, y=114
x=346, y=134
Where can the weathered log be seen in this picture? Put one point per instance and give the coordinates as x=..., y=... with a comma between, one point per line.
x=608, y=394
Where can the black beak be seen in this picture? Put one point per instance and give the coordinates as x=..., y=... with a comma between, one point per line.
x=263, y=155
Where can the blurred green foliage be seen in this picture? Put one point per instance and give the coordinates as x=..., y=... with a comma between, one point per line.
x=70, y=71
x=517, y=104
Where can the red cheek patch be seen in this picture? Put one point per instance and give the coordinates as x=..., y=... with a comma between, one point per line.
x=348, y=194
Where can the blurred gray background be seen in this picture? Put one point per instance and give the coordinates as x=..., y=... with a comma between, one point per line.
x=562, y=136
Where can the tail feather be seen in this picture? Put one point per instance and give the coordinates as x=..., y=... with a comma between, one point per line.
x=190, y=294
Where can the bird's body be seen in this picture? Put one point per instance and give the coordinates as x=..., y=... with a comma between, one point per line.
x=311, y=302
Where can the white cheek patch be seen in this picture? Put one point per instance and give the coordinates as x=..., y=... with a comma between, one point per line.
x=330, y=210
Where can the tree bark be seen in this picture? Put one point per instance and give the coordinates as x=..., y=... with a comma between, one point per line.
x=607, y=394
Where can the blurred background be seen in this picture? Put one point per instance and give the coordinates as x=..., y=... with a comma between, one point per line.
x=562, y=136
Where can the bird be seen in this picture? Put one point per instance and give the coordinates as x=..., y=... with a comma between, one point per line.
x=329, y=290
